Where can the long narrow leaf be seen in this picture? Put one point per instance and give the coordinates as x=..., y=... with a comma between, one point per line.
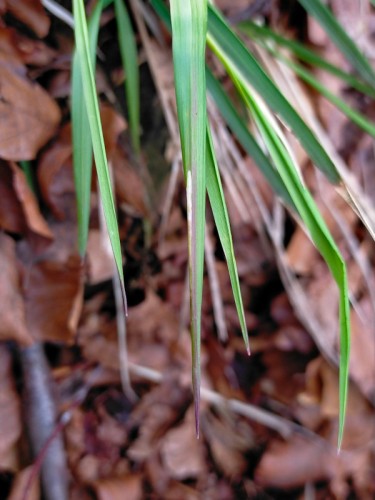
x=235, y=122
x=128, y=51
x=320, y=235
x=220, y=213
x=82, y=144
x=304, y=54
x=309, y=78
x=224, y=42
x=92, y=107
x=340, y=38
x=246, y=139
x=189, y=25
x=213, y=180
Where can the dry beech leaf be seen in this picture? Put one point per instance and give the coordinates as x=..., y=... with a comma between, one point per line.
x=55, y=176
x=100, y=263
x=182, y=453
x=9, y=53
x=19, y=210
x=21, y=482
x=228, y=443
x=12, y=218
x=12, y=310
x=17, y=50
x=119, y=488
x=362, y=366
x=130, y=189
x=113, y=125
x=294, y=463
x=29, y=117
x=54, y=299
x=10, y=413
x=34, y=219
x=31, y=13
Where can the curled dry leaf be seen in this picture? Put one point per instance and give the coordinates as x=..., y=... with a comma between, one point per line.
x=10, y=413
x=53, y=292
x=19, y=210
x=29, y=116
x=31, y=13
x=34, y=219
x=12, y=310
x=17, y=50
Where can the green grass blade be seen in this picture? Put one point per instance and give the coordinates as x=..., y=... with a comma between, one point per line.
x=304, y=54
x=351, y=113
x=232, y=52
x=220, y=213
x=319, y=233
x=189, y=25
x=234, y=121
x=213, y=180
x=128, y=51
x=162, y=11
x=339, y=37
x=92, y=108
x=82, y=144
x=245, y=138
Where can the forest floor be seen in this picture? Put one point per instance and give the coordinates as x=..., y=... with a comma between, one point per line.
x=269, y=421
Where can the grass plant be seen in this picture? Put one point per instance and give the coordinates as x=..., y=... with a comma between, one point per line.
x=194, y=25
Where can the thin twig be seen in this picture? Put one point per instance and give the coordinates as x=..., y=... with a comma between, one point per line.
x=60, y=12
x=120, y=312
x=40, y=417
x=279, y=424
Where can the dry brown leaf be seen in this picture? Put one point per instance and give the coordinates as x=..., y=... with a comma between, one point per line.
x=19, y=210
x=227, y=444
x=21, y=482
x=362, y=357
x=301, y=253
x=157, y=412
x=29, y=117
x=11, y=216
x=182, y=453
x=55, y=176
x=12, y=309
x=34, y=219
x=101, y=266
x=295, y=463
x=119, y=488
x=113, y=125
x=17, y=50
x=130, y=189
x=31, y=13
x=10, y=414
x=54, y=299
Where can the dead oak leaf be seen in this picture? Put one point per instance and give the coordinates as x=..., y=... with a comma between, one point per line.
x=54, y=299
x=29, y=117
